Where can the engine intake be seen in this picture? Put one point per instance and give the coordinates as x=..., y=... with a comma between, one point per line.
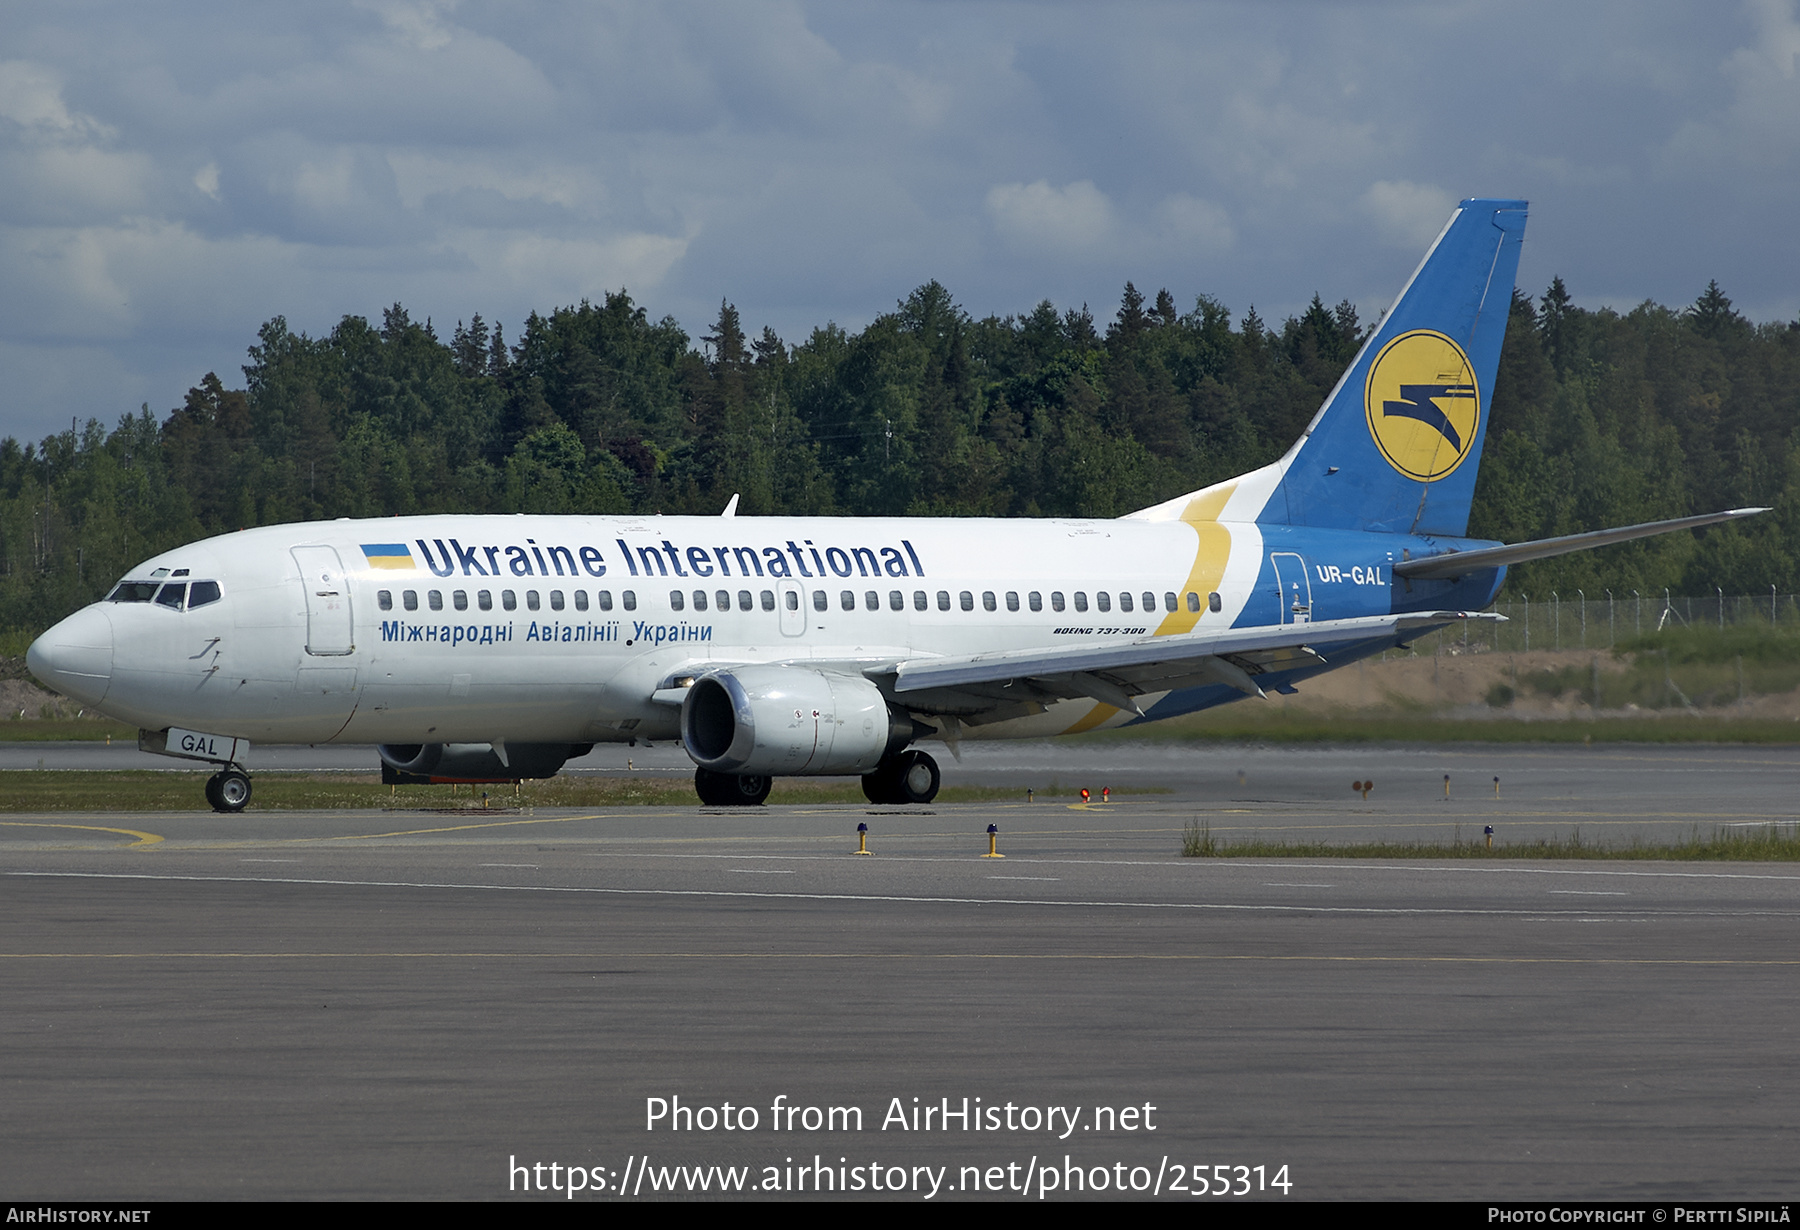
x=785, y=720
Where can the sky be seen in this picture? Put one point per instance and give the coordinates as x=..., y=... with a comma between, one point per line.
x=173, y=175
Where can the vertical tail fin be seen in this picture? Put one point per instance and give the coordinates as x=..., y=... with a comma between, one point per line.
x=1397, y=444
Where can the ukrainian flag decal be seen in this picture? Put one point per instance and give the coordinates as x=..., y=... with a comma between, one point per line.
x=1422, y=404
x=389, y=555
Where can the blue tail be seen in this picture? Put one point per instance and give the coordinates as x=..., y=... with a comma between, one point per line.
x=1397, y=444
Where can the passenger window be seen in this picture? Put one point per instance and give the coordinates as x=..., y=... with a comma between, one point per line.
x=556, y=600
x=872, y=601
x=580, y=600
x=484, y=598
x=896, y=600
x=508, y=600
x=1193, y=601
x=966, y=600
x=1124, y=602
x=435, y=600
x=1169, y=602
x=768, y=601
x=745, y=604
x=793, y=599
x=172, y=596
x=1103, y=600
x=676, y=601
x=1214, y=603
x=1056, y=600
x=1149, y=602
x=820, y=601
x=460, y=600
x=384, y=599
x=987, y=600
x=847, y=600
x=202, y=593
x=943, y=599
x=410, y=599
x=699, y=600
x=531, y=600
x=723, y=598
x=1012, y=600
x=628, y=599
x=1037, y=601
x=602, y=599
x=1080, y=601
x=919, y=601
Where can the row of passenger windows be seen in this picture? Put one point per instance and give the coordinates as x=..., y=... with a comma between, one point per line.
x=509, y=600
x=745, y=601
x=176, y=596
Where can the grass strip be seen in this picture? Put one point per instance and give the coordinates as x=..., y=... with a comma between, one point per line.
x=1771, y=844
x=1234, y=725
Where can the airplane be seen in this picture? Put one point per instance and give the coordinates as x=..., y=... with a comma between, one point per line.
x=496, y=648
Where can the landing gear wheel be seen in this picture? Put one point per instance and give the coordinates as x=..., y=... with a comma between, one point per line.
x=729, y=789
x=911, y=777
x=918, y=778
x=750, y=791
x=880, y=786
x=228, y=791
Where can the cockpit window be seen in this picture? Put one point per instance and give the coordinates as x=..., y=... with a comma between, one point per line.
x=133, y=591
x=172, y=596
x=202, y=593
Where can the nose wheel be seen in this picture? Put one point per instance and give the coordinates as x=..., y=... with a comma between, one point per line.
x=228, y=790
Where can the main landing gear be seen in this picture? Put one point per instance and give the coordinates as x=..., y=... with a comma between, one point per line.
x=729, y=789
x=229, y=789
x=910, y=777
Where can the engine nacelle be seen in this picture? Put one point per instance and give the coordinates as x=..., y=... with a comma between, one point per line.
x=787, y=720
x=421, y=763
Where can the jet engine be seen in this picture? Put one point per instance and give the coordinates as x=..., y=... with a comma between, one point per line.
x=787, y=720
x=422, y=763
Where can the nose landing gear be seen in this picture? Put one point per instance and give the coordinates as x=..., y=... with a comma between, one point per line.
x=228, y=790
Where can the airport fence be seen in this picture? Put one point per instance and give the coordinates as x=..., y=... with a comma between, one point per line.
x=1583, y=621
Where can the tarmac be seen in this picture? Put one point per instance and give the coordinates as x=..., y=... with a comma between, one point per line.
x=433, y=1004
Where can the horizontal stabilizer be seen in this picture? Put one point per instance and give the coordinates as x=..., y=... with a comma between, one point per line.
x=1459, y=563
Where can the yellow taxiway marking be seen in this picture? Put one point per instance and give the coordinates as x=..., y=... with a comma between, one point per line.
x=452, y=828
x=143, y=841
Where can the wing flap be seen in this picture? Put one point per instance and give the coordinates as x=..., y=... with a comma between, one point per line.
x=1233, y=656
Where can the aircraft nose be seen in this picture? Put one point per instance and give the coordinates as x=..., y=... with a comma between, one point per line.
x=76, y=656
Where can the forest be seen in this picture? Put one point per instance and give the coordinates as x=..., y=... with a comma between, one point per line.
x=1598, y=418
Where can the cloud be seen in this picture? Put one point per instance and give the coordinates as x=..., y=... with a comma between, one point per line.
x=1200, y=226
x=173, y=175
x=31, y=97
x=1074, y=218
x=1408, y=215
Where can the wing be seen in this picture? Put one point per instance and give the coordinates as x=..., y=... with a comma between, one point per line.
x=998, y=685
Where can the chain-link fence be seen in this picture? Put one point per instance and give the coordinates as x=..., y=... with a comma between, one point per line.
x=1583, y=621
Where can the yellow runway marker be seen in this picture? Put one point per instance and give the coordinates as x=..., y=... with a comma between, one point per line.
x=143, y=841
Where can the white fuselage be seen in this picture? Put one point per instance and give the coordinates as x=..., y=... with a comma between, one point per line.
x=562, y=629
